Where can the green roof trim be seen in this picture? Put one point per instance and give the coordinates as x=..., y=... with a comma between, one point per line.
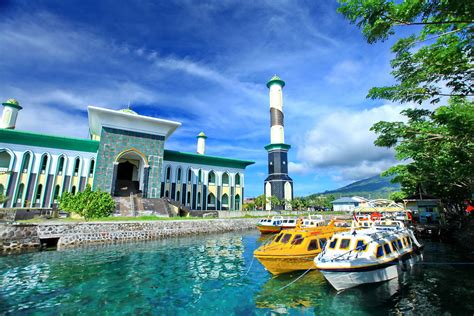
x=171, y=155
x=277, y=146
x=48, y=141
x=275, y=80
x=12, y=103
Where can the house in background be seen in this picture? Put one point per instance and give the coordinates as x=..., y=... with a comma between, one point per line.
x=426, y=207
x=345, y=204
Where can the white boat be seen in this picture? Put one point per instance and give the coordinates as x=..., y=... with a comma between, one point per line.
x=369, y=255
x=313, y=221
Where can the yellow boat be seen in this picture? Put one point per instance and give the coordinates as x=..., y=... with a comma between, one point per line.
x=295, y=249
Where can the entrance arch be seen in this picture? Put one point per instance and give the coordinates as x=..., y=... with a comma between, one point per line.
x=130, y=174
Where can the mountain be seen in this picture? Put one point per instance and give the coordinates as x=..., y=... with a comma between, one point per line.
x=373, y=187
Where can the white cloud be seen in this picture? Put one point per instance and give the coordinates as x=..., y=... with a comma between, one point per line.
x=342, y=141
x=294, y=167
x=347, y=71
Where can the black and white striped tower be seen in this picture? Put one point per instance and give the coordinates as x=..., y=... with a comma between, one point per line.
x=278, y=183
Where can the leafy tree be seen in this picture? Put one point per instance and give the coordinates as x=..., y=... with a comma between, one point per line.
x=249, y=206
x=397, y=196
x=88, y=204
x=260, y=201
x=275, y=201
x=433, y=65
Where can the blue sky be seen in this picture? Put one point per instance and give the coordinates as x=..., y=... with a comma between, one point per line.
x=205, y=64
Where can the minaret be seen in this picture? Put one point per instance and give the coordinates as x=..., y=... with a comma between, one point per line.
x=10, y=113
x=278, y=183
x=201, y=143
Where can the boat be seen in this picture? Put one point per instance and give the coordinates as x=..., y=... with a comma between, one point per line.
x=295, y=249
x=375, y=254
x=275, y=224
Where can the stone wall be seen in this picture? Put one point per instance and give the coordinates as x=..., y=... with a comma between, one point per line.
x=18, y=236
x=72, y=234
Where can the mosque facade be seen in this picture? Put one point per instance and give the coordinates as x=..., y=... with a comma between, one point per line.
x=124, y=155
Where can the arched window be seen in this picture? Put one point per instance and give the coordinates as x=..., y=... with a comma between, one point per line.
x=188, y=199
x=237, y=203
x=237, y=179
x=44, y=163
x=168, y=174
x=211, y=200
x=225, y=179
x=39, y=190
x=76, y=166
x=225, y=201
x=199, y=199
x=73, y=191
x=199, y=176
x=19, y=193
x=178, y=195
x=56, y=193
x=167, y=193
x=61, y=165
x=25, y=164
x=211, y=178
x=5, y=159
x=190, y=174
x=91, y=168
x=178, y=176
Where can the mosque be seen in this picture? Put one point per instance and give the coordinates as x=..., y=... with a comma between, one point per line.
x=124, y=155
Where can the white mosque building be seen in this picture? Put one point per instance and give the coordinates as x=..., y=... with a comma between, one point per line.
x=124, y=155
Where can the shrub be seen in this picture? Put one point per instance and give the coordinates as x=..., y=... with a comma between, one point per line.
x=88, y=204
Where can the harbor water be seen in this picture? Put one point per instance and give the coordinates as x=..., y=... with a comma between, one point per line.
x=216, y=275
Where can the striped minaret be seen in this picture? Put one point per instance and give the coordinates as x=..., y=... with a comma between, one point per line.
x=278, y=183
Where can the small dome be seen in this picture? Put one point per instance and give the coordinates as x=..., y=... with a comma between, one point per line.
x=202, y=135
x=12, y=102
x=275, y=79
x=128, y=111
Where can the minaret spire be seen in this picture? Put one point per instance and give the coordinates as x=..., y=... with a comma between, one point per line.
x=278, y=183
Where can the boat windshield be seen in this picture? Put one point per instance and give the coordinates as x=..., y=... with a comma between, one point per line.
x=297, y=240
x=286, y=238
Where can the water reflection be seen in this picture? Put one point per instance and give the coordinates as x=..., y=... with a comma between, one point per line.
x=208, y=275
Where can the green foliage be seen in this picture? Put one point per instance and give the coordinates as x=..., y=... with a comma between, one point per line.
x=439, y=56
x=397, y=196
x=88, y=204
x=275, y=201
x=436, y=61
x=3, y=198
x=437, y=147
x=260, y=201
x=249, y=206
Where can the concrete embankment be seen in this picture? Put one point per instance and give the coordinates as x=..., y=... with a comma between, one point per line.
x=22, y=236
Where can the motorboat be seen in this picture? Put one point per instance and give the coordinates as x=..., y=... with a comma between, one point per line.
x=295, y=249
x=375, y=254
x=273, y=225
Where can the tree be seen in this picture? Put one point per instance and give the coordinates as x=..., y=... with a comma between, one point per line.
x=397, y=196
x=433, y=65
x=88, y=204
x=275, y=201
x=249, y=206
x=260, y=201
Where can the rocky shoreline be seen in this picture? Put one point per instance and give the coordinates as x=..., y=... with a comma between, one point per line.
x=15, y=236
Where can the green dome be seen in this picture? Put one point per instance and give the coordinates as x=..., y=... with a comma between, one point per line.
x=201, y=135
x=13, y=103
x=129, y=111
x=275, y=79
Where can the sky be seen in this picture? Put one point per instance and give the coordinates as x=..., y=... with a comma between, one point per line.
x=206, y=64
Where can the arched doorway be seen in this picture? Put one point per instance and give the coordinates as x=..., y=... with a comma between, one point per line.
x=130, y=166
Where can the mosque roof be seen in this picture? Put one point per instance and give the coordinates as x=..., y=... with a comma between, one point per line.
x=275, y=79
x=201, y=135
x=13, y=103
x=12, y=136
x=172, y=155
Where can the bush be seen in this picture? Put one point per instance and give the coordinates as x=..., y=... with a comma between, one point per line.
x=88, y=204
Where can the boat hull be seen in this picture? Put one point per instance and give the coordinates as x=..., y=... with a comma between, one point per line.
x=269, y=229
x=278, y=265
x=344, y=280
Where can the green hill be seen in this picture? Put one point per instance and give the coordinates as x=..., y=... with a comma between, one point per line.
x=373, y=188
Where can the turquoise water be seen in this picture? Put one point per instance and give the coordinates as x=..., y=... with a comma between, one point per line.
x=206, y=275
